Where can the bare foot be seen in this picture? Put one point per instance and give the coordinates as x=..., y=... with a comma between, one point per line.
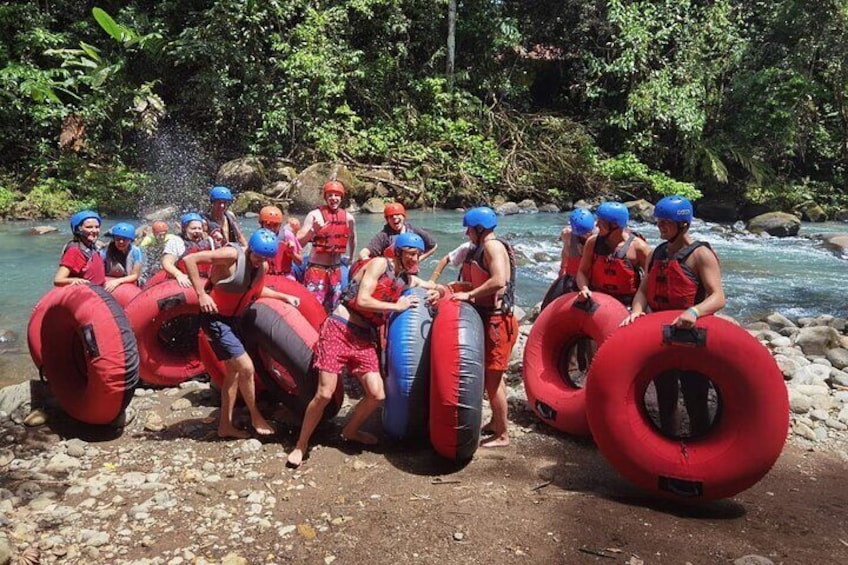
x=294, y=459
x=262, y=427
x=361, y=437
x=231, y=432
x=495, y=441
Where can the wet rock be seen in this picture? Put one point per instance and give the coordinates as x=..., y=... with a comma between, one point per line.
x=374, y=206
x=811, y=212
x=508, y=209
x=777, y=321
x=243, y=174
x=166, y=213
x=307, y=189
x=778, y=224
x=640, y=210
x=41, y=230
x=838, y=357
x=549, y=208
x=816, y=340
x=528, y=207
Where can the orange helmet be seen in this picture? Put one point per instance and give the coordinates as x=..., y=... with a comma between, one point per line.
x=160, y=227
x=334, y=186
x=270, y=215
x=393, y=209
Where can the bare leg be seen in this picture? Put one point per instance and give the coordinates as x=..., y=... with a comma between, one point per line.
x=229, y=392
x=243, y=366
x=327, y=383
x=667, y=389
x=696, y=389
x=496, y=389
x=374, y=396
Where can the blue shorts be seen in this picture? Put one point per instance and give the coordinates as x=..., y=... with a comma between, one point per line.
x=224, y=333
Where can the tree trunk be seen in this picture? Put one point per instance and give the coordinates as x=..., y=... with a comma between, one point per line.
x=451, y=42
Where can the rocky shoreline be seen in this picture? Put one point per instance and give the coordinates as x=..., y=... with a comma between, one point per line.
x=72, y=493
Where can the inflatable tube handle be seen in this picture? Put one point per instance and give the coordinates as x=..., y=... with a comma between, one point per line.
x=171, y=302
x=90, y=341
x=589, y=306
x=681, y=487
x=693, y=337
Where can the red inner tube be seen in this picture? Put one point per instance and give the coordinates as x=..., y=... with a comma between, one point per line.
x=740, y=447
x=554, y=398
x=83, y=346
x=125, y=293
x=165, y=319
x=309, y=306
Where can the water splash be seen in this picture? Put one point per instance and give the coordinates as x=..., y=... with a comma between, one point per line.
x=180, y=169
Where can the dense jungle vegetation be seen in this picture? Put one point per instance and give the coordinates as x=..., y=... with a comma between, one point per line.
x=546, y=99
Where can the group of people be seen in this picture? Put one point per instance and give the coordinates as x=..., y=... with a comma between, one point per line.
x=227, y=271
x=601, y=254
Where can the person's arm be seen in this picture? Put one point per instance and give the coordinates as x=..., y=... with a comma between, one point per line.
x=287, y=298
x=225, y=255
x=705, y=264
x=310, y=226
x=498, y=262
x=640, y=301
x=440, y=266
x=365, y=298
x=351, y=249
x=169, y=264
x=434, y=290
x=643, y=251
x=71, y=258
x=585, y=270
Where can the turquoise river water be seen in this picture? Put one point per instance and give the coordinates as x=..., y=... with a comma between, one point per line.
x=796, y=276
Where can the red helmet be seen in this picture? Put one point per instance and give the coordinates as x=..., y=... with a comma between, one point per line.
x=393, y=209
x=334, y=186
x=160, y=227
x=270, y=215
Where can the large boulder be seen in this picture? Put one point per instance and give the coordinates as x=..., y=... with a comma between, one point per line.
x=282, y=171
x=750, y=210
x=249, y=201
x=779, y=224
x=528, y=207
x=243, y=174
x=842, y=215
x=374, y=206
x=308, y=188
x=640, y=210
x=508, y=209
x=722, y=210
x=811, y=212
x=42, y=230
x=166, y=213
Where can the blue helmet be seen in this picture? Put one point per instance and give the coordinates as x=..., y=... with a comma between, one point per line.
x=185, y=219
x=675, y=208
x=263, y=242
x=410, y=240
x=123, y=229
x=582, y=221
x=78, y=218
x=481, y=217
x=220, y=193
x=615, y=213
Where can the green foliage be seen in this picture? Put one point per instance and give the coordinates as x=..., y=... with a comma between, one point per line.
x=627, y=167
x=7, y=200
x=52, y=198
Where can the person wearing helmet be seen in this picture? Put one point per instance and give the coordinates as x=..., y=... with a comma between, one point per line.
x=332, y=232
x=121, y=258
x=396, y=223
x=271, y=218
x=81, y=262
x=490, y=271
x=349, y=337
x=193, y=240
x=290, y=238
x=614, y=259
x=236, y=279
x=581, y=225
x=153, y=247
x=683, y=274
x=220, y=198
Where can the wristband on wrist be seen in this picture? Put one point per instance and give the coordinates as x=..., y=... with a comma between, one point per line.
x=694, y=311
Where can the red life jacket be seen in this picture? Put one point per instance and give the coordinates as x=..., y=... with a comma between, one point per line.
x=235, y=293
x=612, y=272
x=333, y=237
x=204, y=244
x=575, y=253
x=475, y=272
x=388, y=289
x=95, y=268
x=672, y=284
x=281, y=264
